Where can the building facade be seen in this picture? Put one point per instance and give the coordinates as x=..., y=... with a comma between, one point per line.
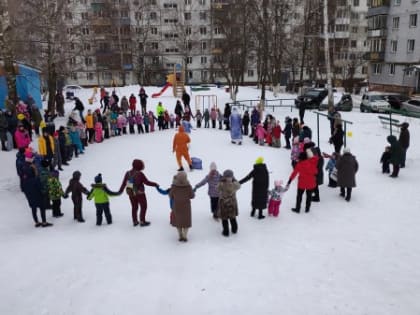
x=394, y=40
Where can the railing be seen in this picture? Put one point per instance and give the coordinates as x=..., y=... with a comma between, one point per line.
x=269, y=104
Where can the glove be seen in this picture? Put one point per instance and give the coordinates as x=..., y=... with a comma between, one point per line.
x=194, y=189
x=65, y=196
x=288, y=183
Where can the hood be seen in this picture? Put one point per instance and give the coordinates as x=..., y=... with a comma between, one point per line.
x=180, y=179
x=181, y=129
x=77, y=175
x=138, y=165
x=391, y=139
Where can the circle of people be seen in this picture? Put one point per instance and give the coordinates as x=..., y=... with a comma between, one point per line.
x=39, y=180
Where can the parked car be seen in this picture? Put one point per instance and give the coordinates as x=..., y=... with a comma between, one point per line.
x=342, y=102
x=396, y=100
x=312, y=98
x=375, y=102
x=411, y=106
x=71, y=91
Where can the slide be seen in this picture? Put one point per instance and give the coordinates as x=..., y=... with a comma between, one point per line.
x=154, y=95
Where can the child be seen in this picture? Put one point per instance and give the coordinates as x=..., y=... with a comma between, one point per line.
x=139, y=122
x=172, y=120
x=260, y=133
x=332, y=171
x=199, y=118
x=228, y=205
x=171, y=204
x=288, y=131
x=276, y=134
x=212, y=179
x=276, y=196
x=55, y=192
x=131, y=123
x=100, y=193
x=206, y=118
x=76, y=189
x=98, y=132
x=385, y=160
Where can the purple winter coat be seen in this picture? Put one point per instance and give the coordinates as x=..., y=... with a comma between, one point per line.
x=212, y=179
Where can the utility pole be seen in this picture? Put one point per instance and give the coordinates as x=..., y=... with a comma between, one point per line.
x=327, y=55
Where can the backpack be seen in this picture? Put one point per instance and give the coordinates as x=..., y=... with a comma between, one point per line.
x=131, y=188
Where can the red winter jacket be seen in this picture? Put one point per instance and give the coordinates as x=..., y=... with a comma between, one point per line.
x=133, y=101
x=307, y=170
x=276, y=132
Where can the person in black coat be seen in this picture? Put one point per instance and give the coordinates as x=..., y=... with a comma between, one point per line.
x=337, y=139
x=260, y=182
x=385, y=158
x=186, y=99
x=78, y=105
x=404, y=140
x=245, y=123
x=12, y=123
x=31, y=186
x=397, y=153
x=143, y=100
x=226, y=115
x=288, y=131
x=320, y=174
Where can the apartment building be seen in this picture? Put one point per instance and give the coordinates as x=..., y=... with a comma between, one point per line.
x=394, y=40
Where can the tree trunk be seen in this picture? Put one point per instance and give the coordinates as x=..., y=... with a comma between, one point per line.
x=52, y=88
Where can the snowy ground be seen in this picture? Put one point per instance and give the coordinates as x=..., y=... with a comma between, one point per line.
x=352, y=258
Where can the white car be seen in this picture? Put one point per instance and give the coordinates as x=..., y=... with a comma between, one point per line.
x=375, y=102
x=411, y=106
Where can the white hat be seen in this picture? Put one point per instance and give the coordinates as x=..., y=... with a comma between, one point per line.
x=213, y=166
x=346, y=150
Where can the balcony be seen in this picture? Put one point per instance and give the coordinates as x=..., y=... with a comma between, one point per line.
x=374, y=56
x=377, y=33
x=380, y=10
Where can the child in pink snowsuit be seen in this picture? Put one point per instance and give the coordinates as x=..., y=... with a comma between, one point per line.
x=260, y=133
x=276, y=195
x=98, y=132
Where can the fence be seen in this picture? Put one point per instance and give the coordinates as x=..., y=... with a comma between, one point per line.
x=269, y=104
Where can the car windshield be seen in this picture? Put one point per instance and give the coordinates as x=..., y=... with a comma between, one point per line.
x=377, y=98
x=312, y=93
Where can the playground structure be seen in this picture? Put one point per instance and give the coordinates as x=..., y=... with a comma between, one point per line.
x=93, y=98
x=176, y=80
x=209, y=100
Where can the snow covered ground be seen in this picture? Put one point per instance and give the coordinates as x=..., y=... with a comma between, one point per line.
x=341, y=258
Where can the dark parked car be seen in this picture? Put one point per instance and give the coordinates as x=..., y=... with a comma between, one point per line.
x=311, y=99
x=396, y=100
x=342, y=102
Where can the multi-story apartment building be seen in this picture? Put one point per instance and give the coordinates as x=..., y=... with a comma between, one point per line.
x=394, y=39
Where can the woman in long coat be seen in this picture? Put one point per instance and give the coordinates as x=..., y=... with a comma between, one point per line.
x=397, y=155
x=181, y=193
x=260, y=181
x=347, y=167
x=228, y=205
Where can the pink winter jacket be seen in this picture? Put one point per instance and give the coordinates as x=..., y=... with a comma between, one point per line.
x=22, y=139
x=260, y=132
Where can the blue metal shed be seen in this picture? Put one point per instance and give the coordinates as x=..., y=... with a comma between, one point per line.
x=28, y=82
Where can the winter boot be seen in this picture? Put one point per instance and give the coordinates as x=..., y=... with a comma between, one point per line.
x=234, y=225
x=225, y=225
x=297, y=210
x=260, y=214
x=253, y=212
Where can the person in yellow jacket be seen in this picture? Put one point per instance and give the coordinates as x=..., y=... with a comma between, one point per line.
x=90, y=126
x=180, y=146
x=46, y=146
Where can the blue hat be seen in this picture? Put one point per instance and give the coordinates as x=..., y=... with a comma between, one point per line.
x=98, y=178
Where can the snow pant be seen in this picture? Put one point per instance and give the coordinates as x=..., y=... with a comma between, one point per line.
x=395, y=169
x=220, y=124
x=46, y=201
x=287, y=142
x=227, y=123
x=403, y=157
x=337, y=148
x=198, y=123
x=206, y=124
x=345, y=192
x=106, y=133
x=124, y=130
x=308, y=199
x=385, y=167
x=136, y=200
x=245, y=130
x=301, y=113
x=77, y=209
x=3, y=144
x=56, y=207
x=143, y=109
x=315, y=196
x=140, y=128
x=214, y=204
x=35, y=216
x=103, y=208
x=213, y=123
x=146, y=128
x=182, y=233
x=274, y=207
x=91, y=135
x=233, y=226
x=332, y=182
x=185, y=154
x=131, y=129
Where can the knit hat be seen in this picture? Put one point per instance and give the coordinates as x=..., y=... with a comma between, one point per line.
x=29, y=155
x=306, y=140
x=77, y=175
x=20, y=116
x=259, y=160
x=278, y=183
x=228, y=174
x=213, y=166
x=138, y=165
x=98, y=178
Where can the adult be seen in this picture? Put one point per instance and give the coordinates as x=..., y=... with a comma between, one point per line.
x=235, y=121
x=3, y=131
x=404, y=140
x=347, y=167
x=124, y=104
x=90, y=126
x=181, y=193
x=180, y=147
x=306, y=170
x=135, y=180
x=319, y=174
x=36, y=118
x=302, y=108
x=106, y=102
x=31, y=186
x=160, y=111
x=397, y=154
x=143, y=100
x=46, y=146
x=226, y=115
x=186, y=99
x=59, y=103
x=337, y=138
x=179, y=112
x=78, y=105
x=245, y=123
x=255, y=120
x=228, y=204
x=12, y=125
x=260, y=181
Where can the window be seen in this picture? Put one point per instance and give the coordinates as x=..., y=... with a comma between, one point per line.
x=410, y=45
x=396, y=22
x=137, y=15
x=354, y=29
x=85, y=31
x=68, y=15
x=88, y=61
x=202, y=2
x=190, y=74
x=72, y=46
x=397, y=2
x=353, y=44
x=124, y=14
x=74, y=75
x=86, y=46
x=70, y=31
x=355, y=3
x=85, y=15
x=188, y=31
x=189, y=45
x=394, y=46
x=364, y=70
x=155, y=45
x=203, y=30
x=155, y=60
x=171, y=50
x=391, y=68
x=204, y=75
x=203, y=45
x=413, y=20
x=187, y=16
x=250, y=73
x=187, y=2
x=217, y=31
x=203, y=60
x=167, y=21
x=189, y=60
x=377, y=68
x=106, y=75
x=89, y=76
x=72, y=60
x=153, y=15
x=203, y=15
x=154, y=30
x=171, y=35
x=170, y=5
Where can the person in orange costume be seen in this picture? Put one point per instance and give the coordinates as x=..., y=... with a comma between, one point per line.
x=180, y=146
